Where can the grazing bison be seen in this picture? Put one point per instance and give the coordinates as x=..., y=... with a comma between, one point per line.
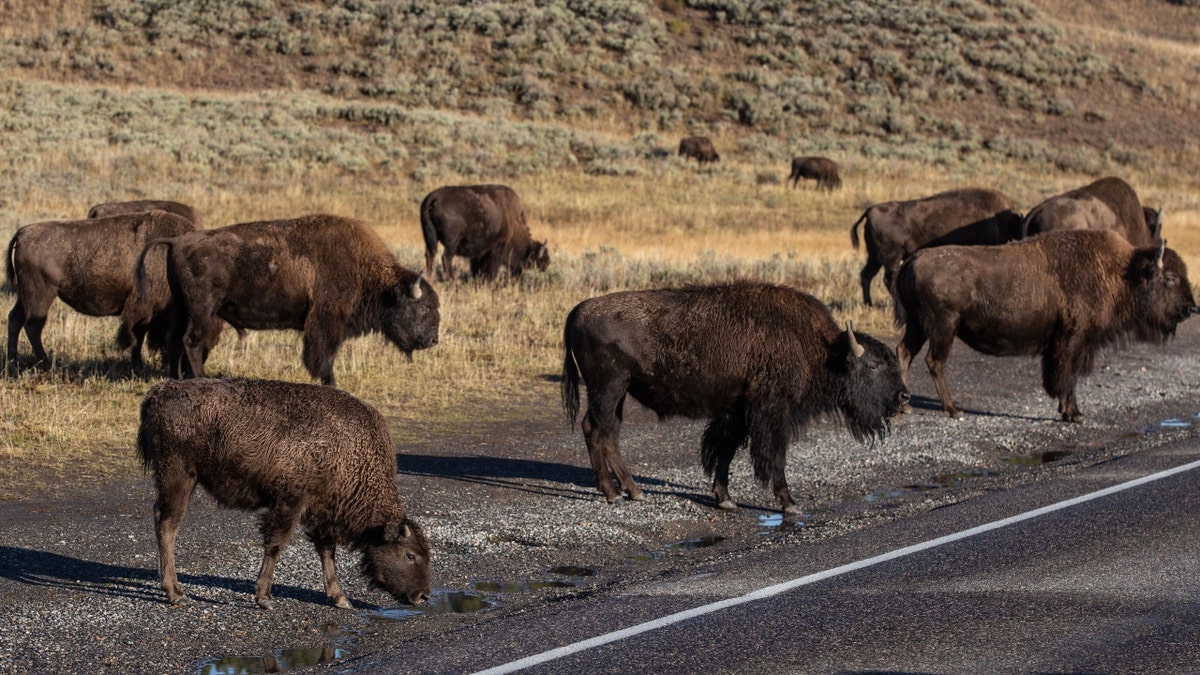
x=485, y=223
x=699, y=148
x=759, y=361
x=332, y=278
x=306, y=454
x=89, y=264
x=821, y=169
x=118, y=208
x=1107, y=204
x=1063, y=295
x=895, y=230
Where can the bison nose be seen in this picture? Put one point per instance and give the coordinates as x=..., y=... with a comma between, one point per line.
x=903, y=397
x=1196, y=309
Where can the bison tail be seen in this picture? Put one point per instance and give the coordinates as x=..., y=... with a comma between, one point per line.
x=854, y=229
x=10, y=271
x=570, y=374
x=903, y=291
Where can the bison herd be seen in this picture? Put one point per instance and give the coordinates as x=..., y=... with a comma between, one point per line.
x=758, y=361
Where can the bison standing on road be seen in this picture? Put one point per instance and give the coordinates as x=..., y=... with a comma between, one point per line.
x=137, y=206
x=821, y=169
x=699, y=148
x=1107, y=204
x=485, y=223
x=89, y=264
x=1063, y=295
x=332, y=278
x=759, y=361
x=895, y=230
x=306, y=454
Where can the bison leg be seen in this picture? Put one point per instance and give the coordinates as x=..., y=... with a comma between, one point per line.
x=16, y=321
x=322, y=338
x=169, y=507
x=30, y=315
x=910, y=345
x=868, y=273
x=1059, y=364
x=724, y=435
x=325, y=549
x=601, y=431
x=769, y=440
x=277, y=526
x=935, y=359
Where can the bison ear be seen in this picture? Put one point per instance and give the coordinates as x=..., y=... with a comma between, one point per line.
x=396, y=531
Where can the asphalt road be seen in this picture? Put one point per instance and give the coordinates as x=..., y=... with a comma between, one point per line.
x=1108, y=585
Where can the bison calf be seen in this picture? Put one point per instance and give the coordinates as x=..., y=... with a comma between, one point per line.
x=759, y=361
x=699, y=148
x=1062, y=295
x=307, y=454
x=485, y=223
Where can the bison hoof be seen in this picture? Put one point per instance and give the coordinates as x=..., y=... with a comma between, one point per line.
x=343, y=603
x=266, y=603
x=791, y=510
x=178, y=600
x=638, y=496
x=955, y=413
x=727, y=505
x=1072, y=418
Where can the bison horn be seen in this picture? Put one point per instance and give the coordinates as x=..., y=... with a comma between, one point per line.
x=415, y=291
x=855, y=348
x=1158, y=257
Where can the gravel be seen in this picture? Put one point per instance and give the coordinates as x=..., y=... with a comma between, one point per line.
x=515, y=505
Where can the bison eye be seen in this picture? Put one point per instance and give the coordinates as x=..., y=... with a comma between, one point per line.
x=410, y=557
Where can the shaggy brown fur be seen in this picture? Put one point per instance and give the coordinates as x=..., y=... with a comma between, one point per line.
x=89, y=264
x=1107, y=204
x=821, y=169
x=1063, y=295
x=137, y=206
x=759, y=361
x=485, y=223
x=305, y=454
x=699, y=148
x=332, y=278
x=895, y=230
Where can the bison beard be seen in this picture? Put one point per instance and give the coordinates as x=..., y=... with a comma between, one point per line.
x=759, y=361
x=305, y=454
x=1063, y=295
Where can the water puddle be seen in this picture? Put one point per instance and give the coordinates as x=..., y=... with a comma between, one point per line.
x=769, y=523
x=281, y=661
x=573, y=571
x=699, y=542
x=520, y=587
x=442, y=602
x=1036, y=458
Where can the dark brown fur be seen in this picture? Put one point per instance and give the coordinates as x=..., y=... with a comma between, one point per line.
x=137, y=206
x=895, y=230
x=699, y=148
x=89, y=264
x=304, y=454
x=332, y=278
x=759, y=361
x=1063, y=295
x=485, y=223
x=821, y=169
x=1107, y=204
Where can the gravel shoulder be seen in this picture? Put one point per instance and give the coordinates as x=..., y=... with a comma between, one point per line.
x=511, y=507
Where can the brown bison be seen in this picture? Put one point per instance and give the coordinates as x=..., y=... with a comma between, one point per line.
x=89, y=264
x=306, y=454
x=699, y=148
x=895, y=230
x=759, y=361
x=1107, y=204
x=332, y=278
x=1063, y=295
x=821, y=169
x=485, y=223
x=119, y=208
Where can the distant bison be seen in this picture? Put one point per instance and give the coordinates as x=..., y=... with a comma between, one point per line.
x=1063, y=295
x=332, y=278
x=821, y=169
x=485, y=223
x=699, y=148
x=89, y=264
x=137, y=206
x=759, y=361
x=895, y=230
x=306, y=454
x=1107, y=204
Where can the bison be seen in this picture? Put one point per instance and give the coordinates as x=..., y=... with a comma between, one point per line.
x=305, y=454
x=758, y=361
x=821, y=169
x=330, y=277
x=1063, y=295
x=895, y=230
x=119, y=208
x=485, y=223
x=1107, y=204
x=699, y=148
x=89, y=264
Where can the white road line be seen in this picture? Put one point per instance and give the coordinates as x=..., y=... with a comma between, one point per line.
x=770, y=591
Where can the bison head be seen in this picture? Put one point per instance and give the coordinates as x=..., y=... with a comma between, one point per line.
x=538, y=254
x=870, y=389
x=396, y=559
x=1162, y=292
x=409, y=315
